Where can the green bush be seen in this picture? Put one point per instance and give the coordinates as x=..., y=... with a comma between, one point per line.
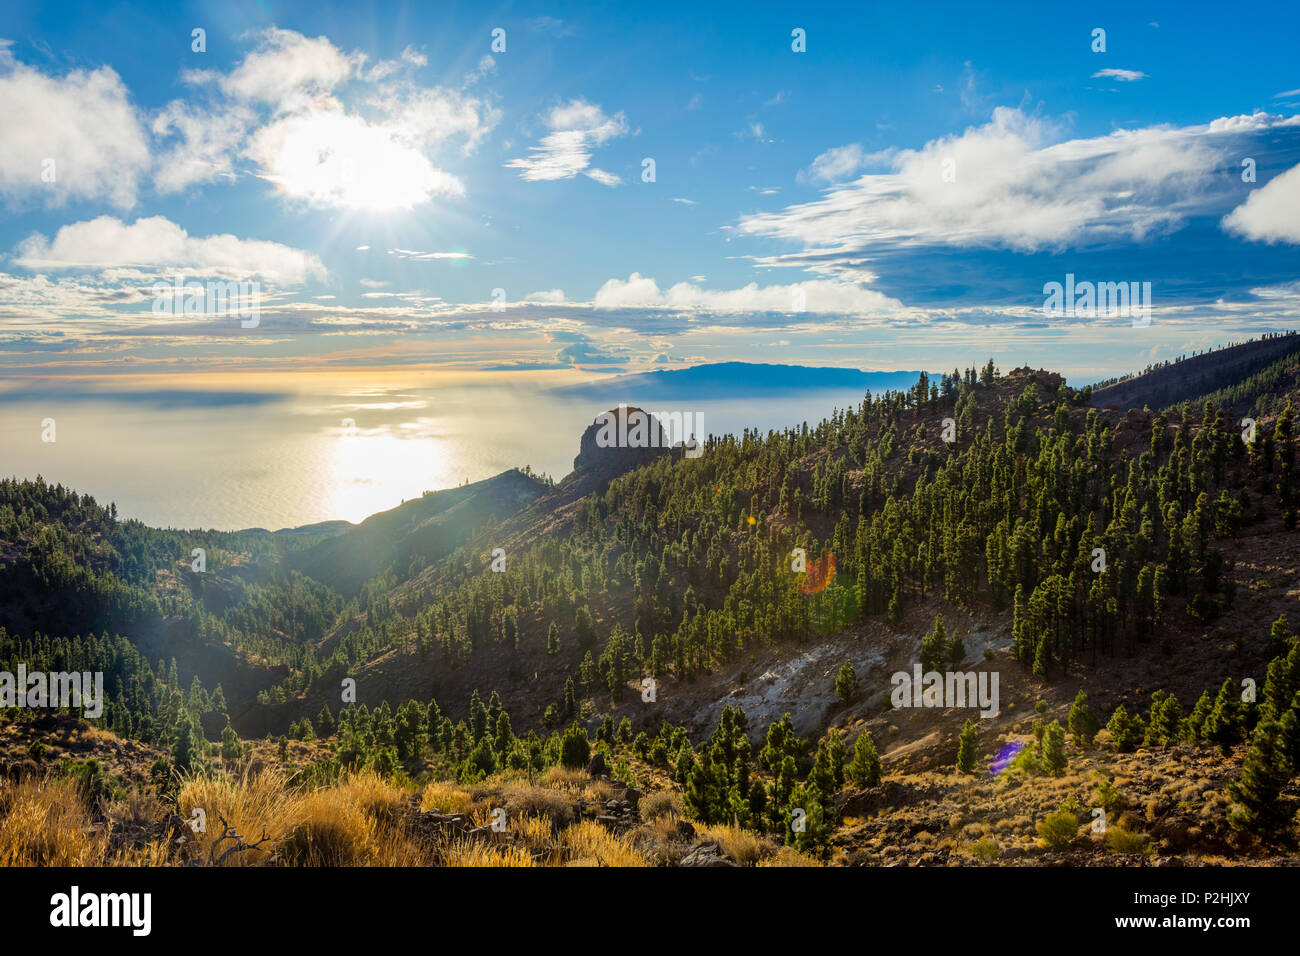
x=1058, y=830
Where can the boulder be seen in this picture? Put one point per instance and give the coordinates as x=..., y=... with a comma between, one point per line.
x=706, y=854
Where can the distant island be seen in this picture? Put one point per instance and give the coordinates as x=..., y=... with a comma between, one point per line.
x=739, y=380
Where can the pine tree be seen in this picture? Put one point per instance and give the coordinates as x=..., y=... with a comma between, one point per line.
x=1083, y=725
x=968, y=753
x=1054, y=756
x=1200, y=713
x=701, y=796
x=811, y=831
x=934, y=646
x=553, y=639
x=1224, y=725
x=575, y=748
x=325, y=721
x=864, y=770
x=1165, y=724
x=478, y=716
x=846, y=683
x=1266, y=770
x=1279, y=641
x=684, y=765
x=188, y=745
x=1126, y=731
x=231, y=748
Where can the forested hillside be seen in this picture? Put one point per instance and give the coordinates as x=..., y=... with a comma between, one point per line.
x=512, y=627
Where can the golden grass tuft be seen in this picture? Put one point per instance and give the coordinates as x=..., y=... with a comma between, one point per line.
x=563, y=778
x=661, y=803
x=253, y=804
x=46, y=823
x=446, y=797
x=788, y=856
x=743, y=846
x=469, y=853
x=590, y=844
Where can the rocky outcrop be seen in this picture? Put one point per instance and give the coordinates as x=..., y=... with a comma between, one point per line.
x=619, y=440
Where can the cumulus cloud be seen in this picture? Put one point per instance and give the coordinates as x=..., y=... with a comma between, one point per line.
x=547, y=295
x=1014, y=183
x=836, y=164
x=79, y=129
x=160, y=245
x=576, y=128
x=313, y=146
x=286, y=70
x=1271, y=213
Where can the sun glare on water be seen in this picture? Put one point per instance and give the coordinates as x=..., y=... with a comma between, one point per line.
x=365, y=472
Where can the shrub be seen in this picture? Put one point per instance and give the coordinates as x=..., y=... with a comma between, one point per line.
x=1121, y=840
x=661, y=803
x=575, y=749
x=1058, y=830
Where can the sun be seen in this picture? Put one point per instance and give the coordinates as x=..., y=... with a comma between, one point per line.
x=330, y=158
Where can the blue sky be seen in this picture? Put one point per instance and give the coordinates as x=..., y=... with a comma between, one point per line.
x=894, y=196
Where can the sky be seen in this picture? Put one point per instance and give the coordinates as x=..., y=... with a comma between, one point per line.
x=561, y=191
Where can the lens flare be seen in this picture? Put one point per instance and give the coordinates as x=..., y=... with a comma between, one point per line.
x=819, y=575
x=1008, y=753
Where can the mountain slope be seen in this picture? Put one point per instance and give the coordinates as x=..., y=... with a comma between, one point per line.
x=422, y=530
x=1192, y=378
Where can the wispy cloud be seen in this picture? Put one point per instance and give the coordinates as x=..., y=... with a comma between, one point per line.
x=1124, y=76
x=576, y=129
x=415, y=254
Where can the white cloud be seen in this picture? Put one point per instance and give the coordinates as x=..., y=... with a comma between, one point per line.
x=207, y=144
x=1271, y=213
x=1014, y=184
x=83, y=122
x=549, y=295
x=414, y=254
x=1124, y=76
x=815, y=296
x=332, y=158
x=160, y=245
x=836, y=164
x=287, y=69
x=312, y=146
x=577, y=127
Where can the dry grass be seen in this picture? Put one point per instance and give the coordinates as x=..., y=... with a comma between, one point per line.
x=534, y=801
x=562, y=778
x=743, y=846
x=661, y=803
x=46, y=823
x=464, y=853
x=590, y=844
x=253, y=804
x=446, y=798
x=788, y=856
